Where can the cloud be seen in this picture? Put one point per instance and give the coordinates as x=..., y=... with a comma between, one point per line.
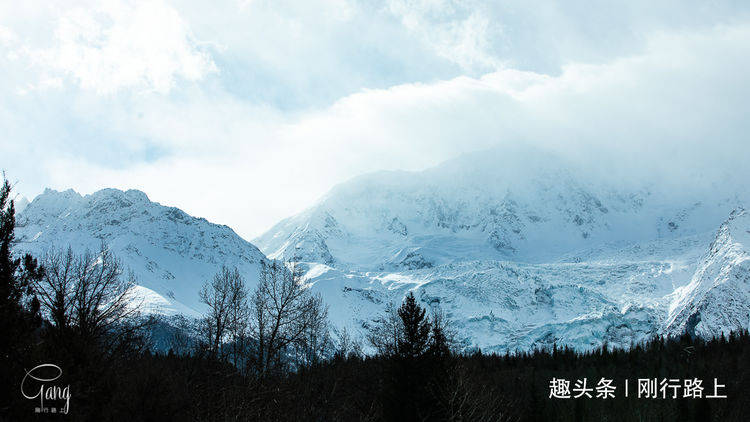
x=457, y=31
x=308, y=95
x=113, y=45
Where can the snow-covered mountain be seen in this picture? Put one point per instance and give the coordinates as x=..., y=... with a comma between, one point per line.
x=519, y=248
x=20, y=204
x=485, y=206
x=170, y=252
x=717, y=299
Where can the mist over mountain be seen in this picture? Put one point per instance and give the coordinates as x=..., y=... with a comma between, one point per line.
x=519, y=247
x=509, y=204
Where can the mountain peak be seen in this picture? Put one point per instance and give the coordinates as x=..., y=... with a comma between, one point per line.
x=133, y=195
x=525, y=250
x=50, y=194
x=170, y=252
x=491, y=205
x=56, y=194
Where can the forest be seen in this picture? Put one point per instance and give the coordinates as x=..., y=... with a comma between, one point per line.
x=269, y=354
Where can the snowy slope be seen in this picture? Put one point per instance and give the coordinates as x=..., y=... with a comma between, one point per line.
x=519, y=252
x=20, y=204
x=170, y=252
x=484, y=207
x=503, y=305
x=717, y=300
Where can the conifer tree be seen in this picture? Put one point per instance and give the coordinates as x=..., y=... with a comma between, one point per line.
x=17, y=321
x=416, y=328
x=16, y=275
x=11, y=289
x=440, y=338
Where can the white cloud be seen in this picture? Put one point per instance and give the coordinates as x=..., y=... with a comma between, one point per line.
x=669, y=103
x=456, y=30
x=7, y=36
x=121, y=44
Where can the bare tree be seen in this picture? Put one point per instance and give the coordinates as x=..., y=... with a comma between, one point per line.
x=460, y=399
x=86, y=293
x=239, y=313
x=386, y=331
x=315, y=340
x=182, y=339
x=345, y=345
x=285, y=315
x=217, y=295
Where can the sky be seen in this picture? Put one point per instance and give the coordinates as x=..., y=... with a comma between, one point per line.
x=246, y=112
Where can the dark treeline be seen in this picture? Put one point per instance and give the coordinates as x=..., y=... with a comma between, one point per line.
x=269, y=354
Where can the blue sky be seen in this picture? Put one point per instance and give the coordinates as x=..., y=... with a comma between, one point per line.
x=245, y=112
